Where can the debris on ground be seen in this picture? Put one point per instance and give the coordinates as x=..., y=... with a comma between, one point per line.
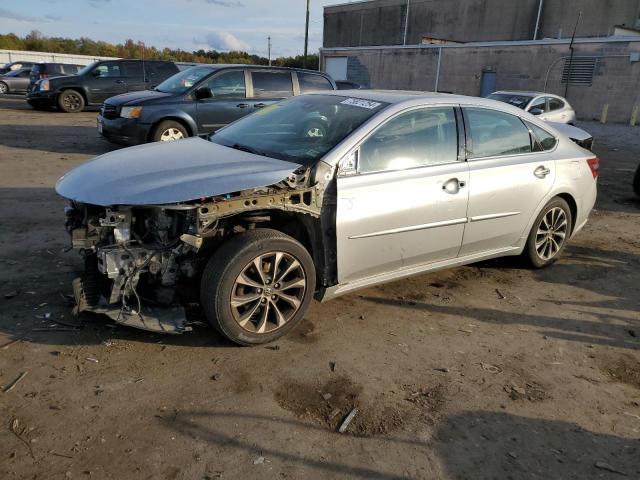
x=10, y=387
x=608, y=468
x=13, y=427
x=91, y=359
x=258, y=461
x=501, y=295
x=347, y=420
x=332, y=366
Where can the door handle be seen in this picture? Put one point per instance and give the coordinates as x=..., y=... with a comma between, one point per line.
x=453, y=186
x=242, y=105
x=259, y=105
x=119, y=81
x=541, y=171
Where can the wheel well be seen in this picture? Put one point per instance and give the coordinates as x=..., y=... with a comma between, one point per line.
x=304, y=228
x=573, y=206
x=152, y=130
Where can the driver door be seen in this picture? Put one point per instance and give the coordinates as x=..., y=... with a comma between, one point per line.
x=406, y=202
x=107, y=80
x=228, y=103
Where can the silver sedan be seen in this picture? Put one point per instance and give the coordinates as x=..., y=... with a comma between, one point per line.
x=16, y=81
x=261, y=217
x=546, y=106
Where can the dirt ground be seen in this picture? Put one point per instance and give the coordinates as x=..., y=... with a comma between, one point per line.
x=481, y=372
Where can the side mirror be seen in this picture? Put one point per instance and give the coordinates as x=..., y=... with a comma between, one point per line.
x=203, y=92
x=536, y=111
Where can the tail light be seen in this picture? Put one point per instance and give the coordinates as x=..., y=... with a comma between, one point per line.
x=594, y=166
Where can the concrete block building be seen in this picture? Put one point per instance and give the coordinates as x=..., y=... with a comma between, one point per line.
x=474, y=47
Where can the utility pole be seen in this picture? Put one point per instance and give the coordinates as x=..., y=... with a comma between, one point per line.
x=573, y=37
x=269, y=49
x=306, y=38
x=406, y=24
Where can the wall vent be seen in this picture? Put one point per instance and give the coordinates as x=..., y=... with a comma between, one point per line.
x=579, y=70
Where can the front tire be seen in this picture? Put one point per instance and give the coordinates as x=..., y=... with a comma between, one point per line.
x=169, y=131
x=71, y=101
x=4, y=88
x=257, y=286
x=549, y=234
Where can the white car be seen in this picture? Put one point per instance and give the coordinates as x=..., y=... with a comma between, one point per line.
x=546, y=106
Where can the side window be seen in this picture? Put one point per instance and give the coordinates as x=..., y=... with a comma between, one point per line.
x=310, y=82
x=496, y=133
x=25, y=73
x=132, y=69
x=107, y=70
x=555, y=104
x=164, y=69
x=228, y=85
x=540, y=103
x=421, y=137
x=271, y=84
x=544, y=138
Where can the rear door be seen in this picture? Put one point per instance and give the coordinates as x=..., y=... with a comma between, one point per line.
x=406, y=205
x=133, y=75
x=228, y=103
x=269, y=86
x=104, y=81
x=508, y=179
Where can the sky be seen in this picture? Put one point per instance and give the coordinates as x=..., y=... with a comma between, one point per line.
x=187, y=24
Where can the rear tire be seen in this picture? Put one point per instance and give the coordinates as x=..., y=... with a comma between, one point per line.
x=71, y=101
x=636, y=181
x=549, y=234
x=4, y=88
x=169, y=130
x=252, y=306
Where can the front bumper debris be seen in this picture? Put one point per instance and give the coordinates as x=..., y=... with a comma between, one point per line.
x=170, y=320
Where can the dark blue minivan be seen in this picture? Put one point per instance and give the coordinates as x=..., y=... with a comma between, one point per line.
x=200, y=100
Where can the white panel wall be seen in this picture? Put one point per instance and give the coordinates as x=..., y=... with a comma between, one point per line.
x=8, y=56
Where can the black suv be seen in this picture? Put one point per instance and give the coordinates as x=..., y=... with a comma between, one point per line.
x=40, y=71
x=201, y=99
x=96, y=82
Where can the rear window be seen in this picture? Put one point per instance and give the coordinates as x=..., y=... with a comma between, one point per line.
x=132, y=69
x=272, y=84
x=496, y=133
x=310, y=82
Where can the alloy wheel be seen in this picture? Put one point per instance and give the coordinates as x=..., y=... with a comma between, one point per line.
x=3, y=88
x=268, y=292
x=551, y=233
x=72, y=102
x=171, y=134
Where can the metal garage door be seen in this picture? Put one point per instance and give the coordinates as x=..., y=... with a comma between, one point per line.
x=336, y=67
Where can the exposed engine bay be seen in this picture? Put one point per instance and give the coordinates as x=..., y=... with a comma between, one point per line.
x=143, y=263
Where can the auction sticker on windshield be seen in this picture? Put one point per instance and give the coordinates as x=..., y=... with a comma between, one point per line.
x=357, y=102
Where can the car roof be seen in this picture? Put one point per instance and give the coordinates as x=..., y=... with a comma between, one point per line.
x=218, y=66
x=531, y=93
x=398, y=96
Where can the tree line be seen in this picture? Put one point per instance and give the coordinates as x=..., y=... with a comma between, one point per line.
x=35, y=41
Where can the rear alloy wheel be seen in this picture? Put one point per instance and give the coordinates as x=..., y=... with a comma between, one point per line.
x=4, y=88
x=549, y=234
x=257, y=286
x=169, y=131
x=71, y=101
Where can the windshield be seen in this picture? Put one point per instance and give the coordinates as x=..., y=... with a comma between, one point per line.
x=183, y=81
x=515, y=99
x=301, y=129
x=87, y=69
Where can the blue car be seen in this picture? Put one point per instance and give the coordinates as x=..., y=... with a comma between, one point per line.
x=202, y=99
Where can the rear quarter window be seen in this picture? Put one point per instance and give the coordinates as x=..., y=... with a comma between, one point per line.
x=545, y=140
x=310, y=82
x=495, y=133
x=271, y=84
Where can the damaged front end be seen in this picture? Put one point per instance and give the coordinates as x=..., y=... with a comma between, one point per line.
x=143, y=263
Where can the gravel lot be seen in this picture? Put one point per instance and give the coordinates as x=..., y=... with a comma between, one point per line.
x=486, y=371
